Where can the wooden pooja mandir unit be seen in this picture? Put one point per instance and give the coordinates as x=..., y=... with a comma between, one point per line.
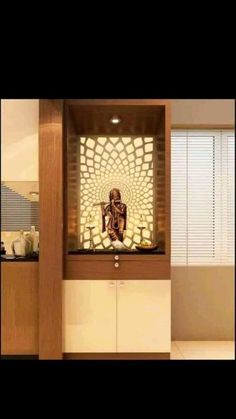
x=118, y=289
x=65, y=280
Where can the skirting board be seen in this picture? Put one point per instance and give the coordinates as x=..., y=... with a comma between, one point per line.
x=116, y=356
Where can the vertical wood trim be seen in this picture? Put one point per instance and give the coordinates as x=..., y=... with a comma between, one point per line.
x=64, y=182
x=167, y=179
x=71, y=184
x=155, y=212
x=51, y=228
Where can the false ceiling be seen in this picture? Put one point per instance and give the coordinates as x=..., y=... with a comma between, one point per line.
x=134, y=120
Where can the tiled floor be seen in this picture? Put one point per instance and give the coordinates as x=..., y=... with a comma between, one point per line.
x=202, y=350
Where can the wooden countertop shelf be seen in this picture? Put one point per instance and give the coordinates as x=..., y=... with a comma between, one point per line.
x=136, y=266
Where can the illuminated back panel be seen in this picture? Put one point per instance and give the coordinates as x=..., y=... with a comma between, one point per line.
x=104, y=163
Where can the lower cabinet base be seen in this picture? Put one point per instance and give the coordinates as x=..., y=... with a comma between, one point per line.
x=116, y=356
x=19, y=357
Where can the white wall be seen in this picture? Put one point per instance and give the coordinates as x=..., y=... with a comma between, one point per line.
x=202, y=111
x=19, y=134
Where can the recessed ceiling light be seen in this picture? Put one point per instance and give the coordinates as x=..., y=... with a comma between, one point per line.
x=115, y=119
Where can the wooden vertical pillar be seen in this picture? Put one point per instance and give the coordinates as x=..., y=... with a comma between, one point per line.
x=168, y=179
x=51, y=228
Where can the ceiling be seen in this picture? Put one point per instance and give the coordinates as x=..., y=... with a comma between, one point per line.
x=135, y=120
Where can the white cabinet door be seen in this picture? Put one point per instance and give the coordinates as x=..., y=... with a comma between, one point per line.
x=143, y=316
x=89, y=316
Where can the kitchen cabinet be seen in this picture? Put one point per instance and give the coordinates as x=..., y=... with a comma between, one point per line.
x=19, y=308
x=125, y=316
x=143, y=316
x=89, y=316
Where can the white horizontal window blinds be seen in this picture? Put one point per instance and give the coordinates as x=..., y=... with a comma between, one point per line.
x=179, y=199
x=202, y=197
x=228, y=198
x=203, y=210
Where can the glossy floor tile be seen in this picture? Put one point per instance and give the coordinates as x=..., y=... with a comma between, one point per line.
x=203, y=350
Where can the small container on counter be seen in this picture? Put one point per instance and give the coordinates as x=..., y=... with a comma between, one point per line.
x=21, y=246
x=33, y=238
x=3, y=250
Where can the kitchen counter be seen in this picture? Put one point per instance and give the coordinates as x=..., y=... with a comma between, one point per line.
x=10, y=258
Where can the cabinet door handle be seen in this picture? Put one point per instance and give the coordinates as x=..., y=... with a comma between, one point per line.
x=122, y=283
x=116, y=265
x=112, y=283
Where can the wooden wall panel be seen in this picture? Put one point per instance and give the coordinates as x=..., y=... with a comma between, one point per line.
x=19, y=308
x=168, y=180
x=71, y=189
x=51, y=228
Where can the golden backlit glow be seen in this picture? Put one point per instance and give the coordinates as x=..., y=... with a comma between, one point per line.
x=125, y=163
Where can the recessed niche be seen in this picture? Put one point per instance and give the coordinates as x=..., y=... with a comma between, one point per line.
x=130, y=166
x=134, y=164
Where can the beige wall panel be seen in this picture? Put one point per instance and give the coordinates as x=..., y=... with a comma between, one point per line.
x=202, y=112
x=202, y=303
